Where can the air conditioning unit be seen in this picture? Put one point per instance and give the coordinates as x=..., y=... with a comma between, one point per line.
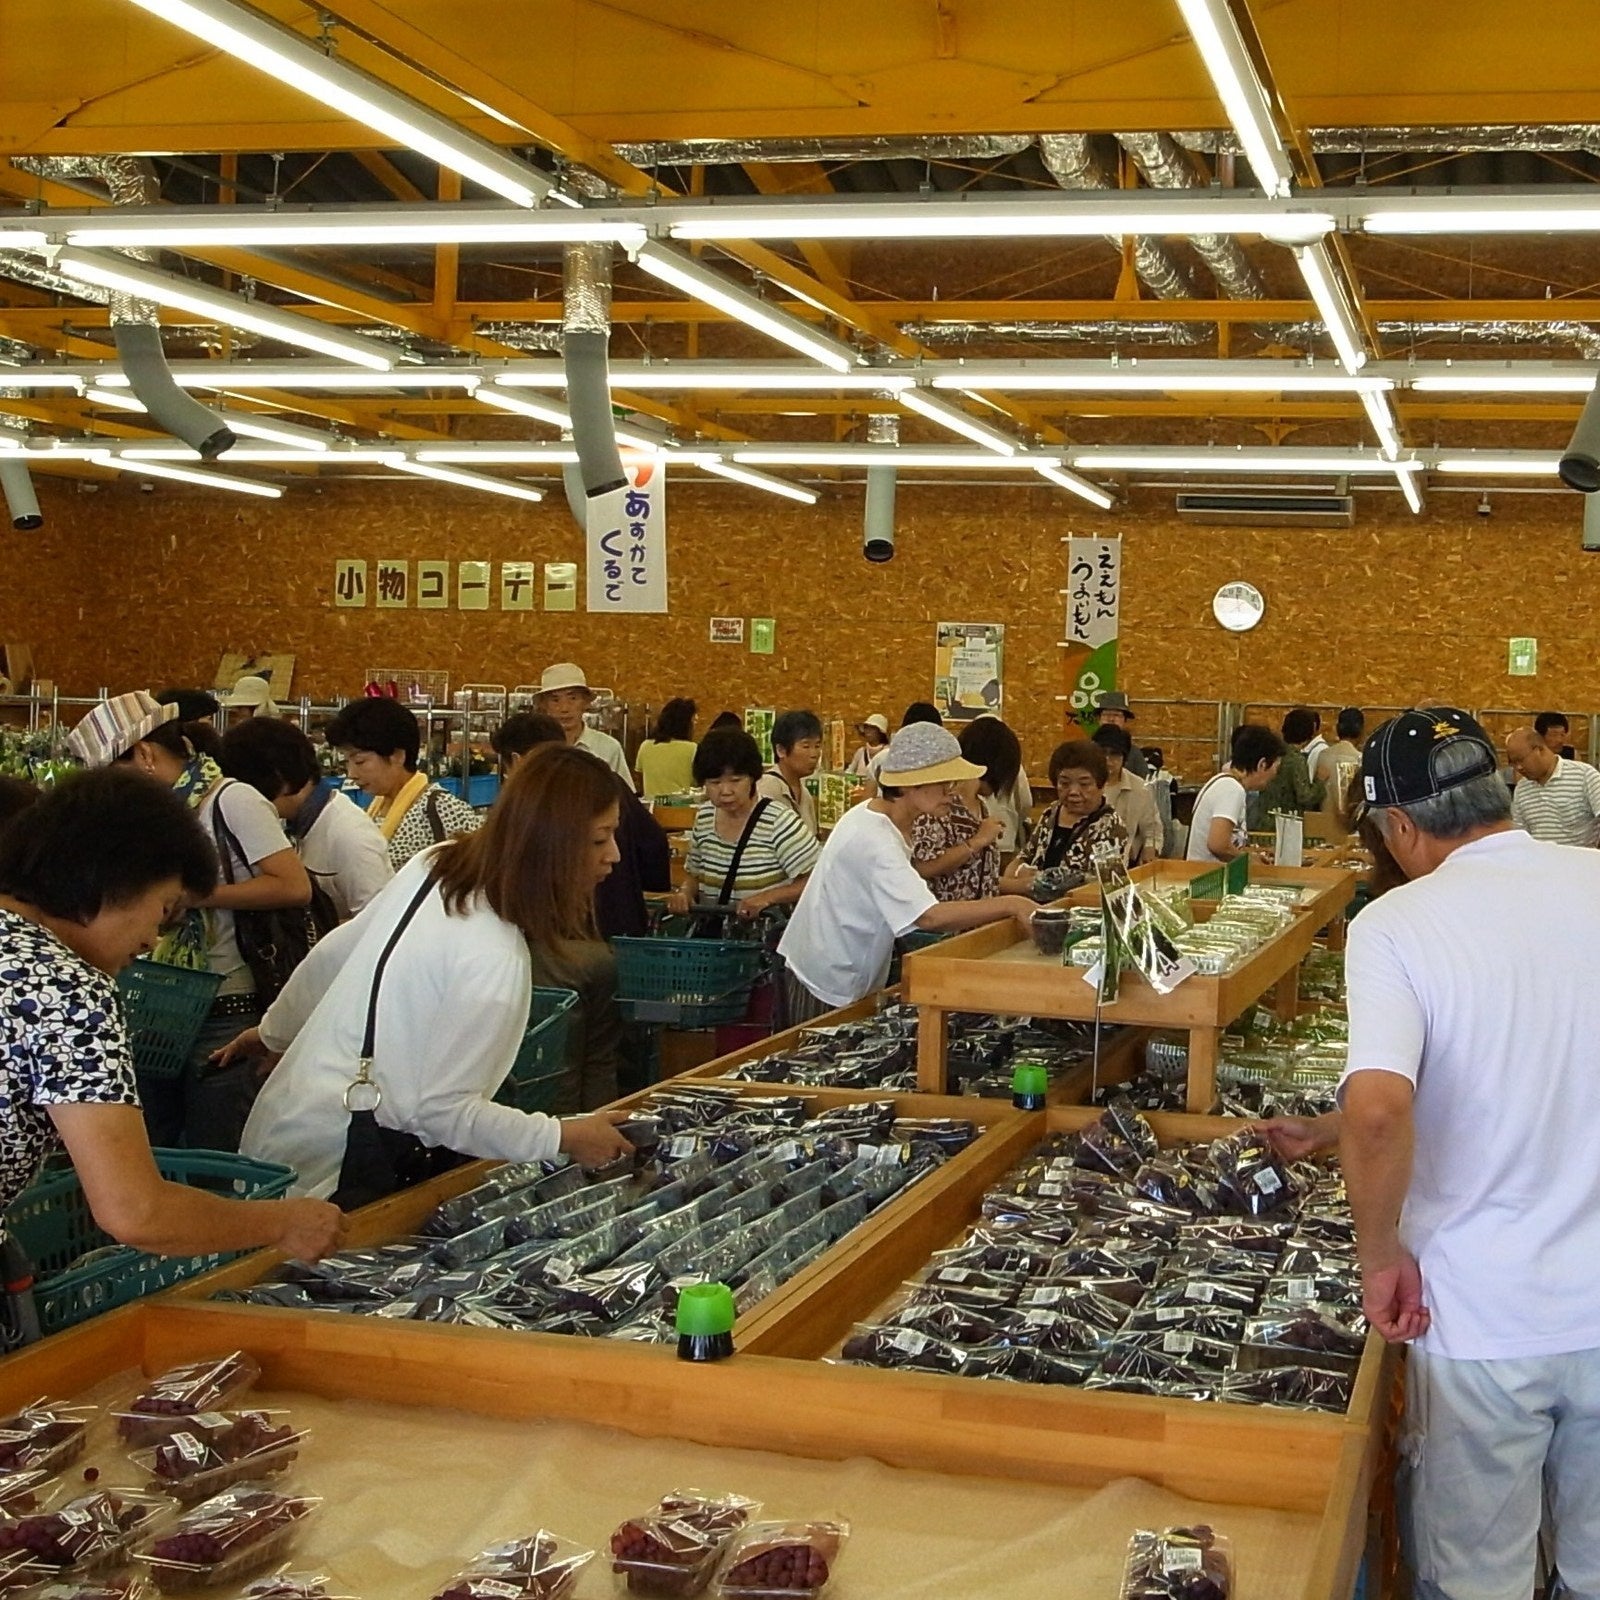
x=1268, y=508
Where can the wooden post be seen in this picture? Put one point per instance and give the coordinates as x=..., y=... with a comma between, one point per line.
x=1202, y=1069
x=933, y=1038
x=1286, y=995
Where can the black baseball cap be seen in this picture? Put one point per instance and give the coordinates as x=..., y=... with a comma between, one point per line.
x=1400, y=763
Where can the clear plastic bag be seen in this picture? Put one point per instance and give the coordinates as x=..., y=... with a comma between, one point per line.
x=80, y=1536
x=673, y=1549
x=1178, y=1564
x=542, y=1566
x=110, y=1586
x=22, y=1492
x=233, y=1535
x=288, y=1585
x=217, y=1449
x=44, y=1436
x=185, y=1391
x=873, y=1345
x=783, y=1558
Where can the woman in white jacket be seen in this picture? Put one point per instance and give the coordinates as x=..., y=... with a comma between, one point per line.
x=469, y=928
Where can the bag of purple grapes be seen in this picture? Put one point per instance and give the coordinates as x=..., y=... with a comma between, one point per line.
x=227, y=1538
x=124, y=1586
x=217, y=1449
x=674, y=1547
x=1178, y=1564
x=783, y=1558
x=198, y=1386
x=44, y=1436
x=79, y=1537
x=286, y=1585
x=543, y=1566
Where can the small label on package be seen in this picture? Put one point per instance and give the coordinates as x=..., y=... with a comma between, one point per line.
x=952, y=1275
x=560, y=1268
x=1300, y=1290
x=1177, y=1344
x=1182, y=1558
x=909, y=1340
x=494, y=1589
x=789, y=1150
x=212, y=1422
x=1200, y=1291
x=189, y=1447
x=1268, y=1181
x=1170, y=1313
x=681, y=1145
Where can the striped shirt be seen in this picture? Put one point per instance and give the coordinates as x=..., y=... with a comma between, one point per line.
x=1564, y=809
x=780, y=850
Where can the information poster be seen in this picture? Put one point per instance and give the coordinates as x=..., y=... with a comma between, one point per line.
x=969, y=669
x=1522, y=658
x=758, y=721
x=627, y=536
x=763, y=635
x=1094, y=604
x=727, y=630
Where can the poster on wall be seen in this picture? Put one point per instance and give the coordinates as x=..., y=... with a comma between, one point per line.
x=561, y=586
x=758, y=721
x=392, y=585
x=1094, y=604
x=472, y=585
x=968, y=669
x=349, y=582
x=516, y=585
x=433, y=585
x=627, y=533
x=727, y=630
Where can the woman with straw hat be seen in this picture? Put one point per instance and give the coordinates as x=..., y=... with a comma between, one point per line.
x=865, y=891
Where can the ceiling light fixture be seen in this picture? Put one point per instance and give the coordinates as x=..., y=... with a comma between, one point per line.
x=116, y=400
x=1563, y=210
x=1158, y=377
x=756, y=480
x=1338, y=317
x=216, y=305
x=778, y=376
x=1502, y=381
x=465, y=480
x=806, y=455
x=298, y=62
x=957, y=420
x=22, y=378
x=1410, y=488
x=207, y=480
x=701, y=283
x=1092, y=492
x=1240, y=89
x=1155, y=459
x=540, y=410
x=1381, y=415
x=1532, y=465
x=248, y=423
x=496, y=453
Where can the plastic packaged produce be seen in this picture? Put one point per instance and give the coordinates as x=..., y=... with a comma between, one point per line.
x=293, y=1586
x=117, y=1586
x=184, y=1392
x=80, y=1536
x=873, y=1345
x=673, y=1549
x=1178, y=1564
x=1309, y=1332
x=43, y=1437
x=1252, y=1180
x=21, y=1492
x=542, y=1566
x=783, y=1558
x=216, y=1449
x=1301, y=1387
x=231, y=1536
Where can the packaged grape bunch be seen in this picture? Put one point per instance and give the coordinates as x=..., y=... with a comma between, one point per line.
x=185, y=1392
x=543, y=1566
x=674, y=1548
x=232, y=1536
x=293, y=1586
x=45, y=1436
x=783, y=1558
x=1178, y=1564
x=214, y=1450
x=80, y=1537
x=123, y=1586
x=21, y=1492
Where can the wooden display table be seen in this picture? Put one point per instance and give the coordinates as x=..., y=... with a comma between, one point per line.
x=997, y=969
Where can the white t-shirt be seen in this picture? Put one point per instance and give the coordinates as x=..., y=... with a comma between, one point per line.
x=608, y=750
x=452, y=1011
x=1476, y=983
x=1221, y=796
x=862, y=895
x=258, y=830
x=346, y=854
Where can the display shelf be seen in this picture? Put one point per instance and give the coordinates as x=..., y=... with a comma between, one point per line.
x=997, y=969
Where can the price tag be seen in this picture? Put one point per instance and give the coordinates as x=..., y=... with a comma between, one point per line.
x=189, y=1447
x=1182, y=1558
x=1178, y=1344
x=1268, y=1181
x=1203, y=1292
x=909, y=1341
x=952, y=1275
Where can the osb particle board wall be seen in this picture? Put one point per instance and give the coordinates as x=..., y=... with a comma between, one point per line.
x=130, y=589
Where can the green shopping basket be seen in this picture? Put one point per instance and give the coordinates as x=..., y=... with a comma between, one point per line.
x=164, y=1009
x=53, y=1224
x=687, y=983
x=536, y=1073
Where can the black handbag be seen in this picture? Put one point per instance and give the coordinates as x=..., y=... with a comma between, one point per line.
x=272, y=943
x=380, y=1161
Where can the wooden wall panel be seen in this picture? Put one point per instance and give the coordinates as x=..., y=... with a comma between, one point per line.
x=129, y=589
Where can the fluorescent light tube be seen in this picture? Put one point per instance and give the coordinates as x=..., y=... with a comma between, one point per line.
x=1226, y=377
x=207, y=480
x=701, y=283
x=1411, y=490
x=466, y=480
x=1316, y=267
x=957, y=420
x=215, y=305
x=1502, y=382
x=296, y=61
x=1492, y=466
x=497, y=453
x=878, y=455
x=1382, y=418
x=756, y=480
x=114, y=400
x=540, y=410
x=1560, y=213
x=686, y=375
x=1150, y=460
x=1239, y=88
x=1091, y=492
x=246, y=423
x=22, y=378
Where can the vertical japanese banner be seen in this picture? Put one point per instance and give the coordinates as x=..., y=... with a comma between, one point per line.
x=969, y=669
x=628, y=540
x=1094, y=600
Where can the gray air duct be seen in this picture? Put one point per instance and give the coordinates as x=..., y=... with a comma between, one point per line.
x=1580, y=461
x=586, y=320
x=1591, y=522
x=877, y=535
x=21, y=501
x=135, y=324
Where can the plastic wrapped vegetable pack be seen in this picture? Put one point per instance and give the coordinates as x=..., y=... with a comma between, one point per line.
x=673, y=1549
x=1196, y=1272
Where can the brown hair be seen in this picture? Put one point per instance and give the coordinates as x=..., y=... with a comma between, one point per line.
x=1082, y=755
x=529, y=859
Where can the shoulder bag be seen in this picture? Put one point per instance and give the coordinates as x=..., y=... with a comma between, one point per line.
x=380, y=1161
x=272, y=942
x=714, y=924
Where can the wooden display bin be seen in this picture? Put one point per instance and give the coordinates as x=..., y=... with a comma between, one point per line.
x=997, y=969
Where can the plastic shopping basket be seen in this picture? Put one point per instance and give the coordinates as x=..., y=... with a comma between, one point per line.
x=687, y=983
x=536, y=1073
x=164, y=1009
x=53, y=1224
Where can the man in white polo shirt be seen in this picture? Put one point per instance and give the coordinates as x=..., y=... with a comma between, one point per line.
x=1467, y=1141
x=1554, y=799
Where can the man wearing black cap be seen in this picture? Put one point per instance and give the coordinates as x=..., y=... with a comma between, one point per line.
x=1467, y=1140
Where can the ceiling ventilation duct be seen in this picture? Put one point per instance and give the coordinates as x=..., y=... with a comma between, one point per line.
x=735, y=152
x=135, y=323
x=1469, y=139
x=16, y=483
x=585, y=344
x=1267, y=508
x=877, y=533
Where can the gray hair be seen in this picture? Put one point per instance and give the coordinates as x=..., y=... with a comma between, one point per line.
x=1478, y=803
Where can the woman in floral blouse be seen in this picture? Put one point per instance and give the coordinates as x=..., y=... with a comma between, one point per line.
x=957, y=851
x=1078, y=823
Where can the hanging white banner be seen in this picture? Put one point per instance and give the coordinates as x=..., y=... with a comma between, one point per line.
x=628, y=540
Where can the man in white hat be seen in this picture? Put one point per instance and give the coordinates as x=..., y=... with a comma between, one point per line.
x=865, y=892
x=564, y=694
x=253, y=696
